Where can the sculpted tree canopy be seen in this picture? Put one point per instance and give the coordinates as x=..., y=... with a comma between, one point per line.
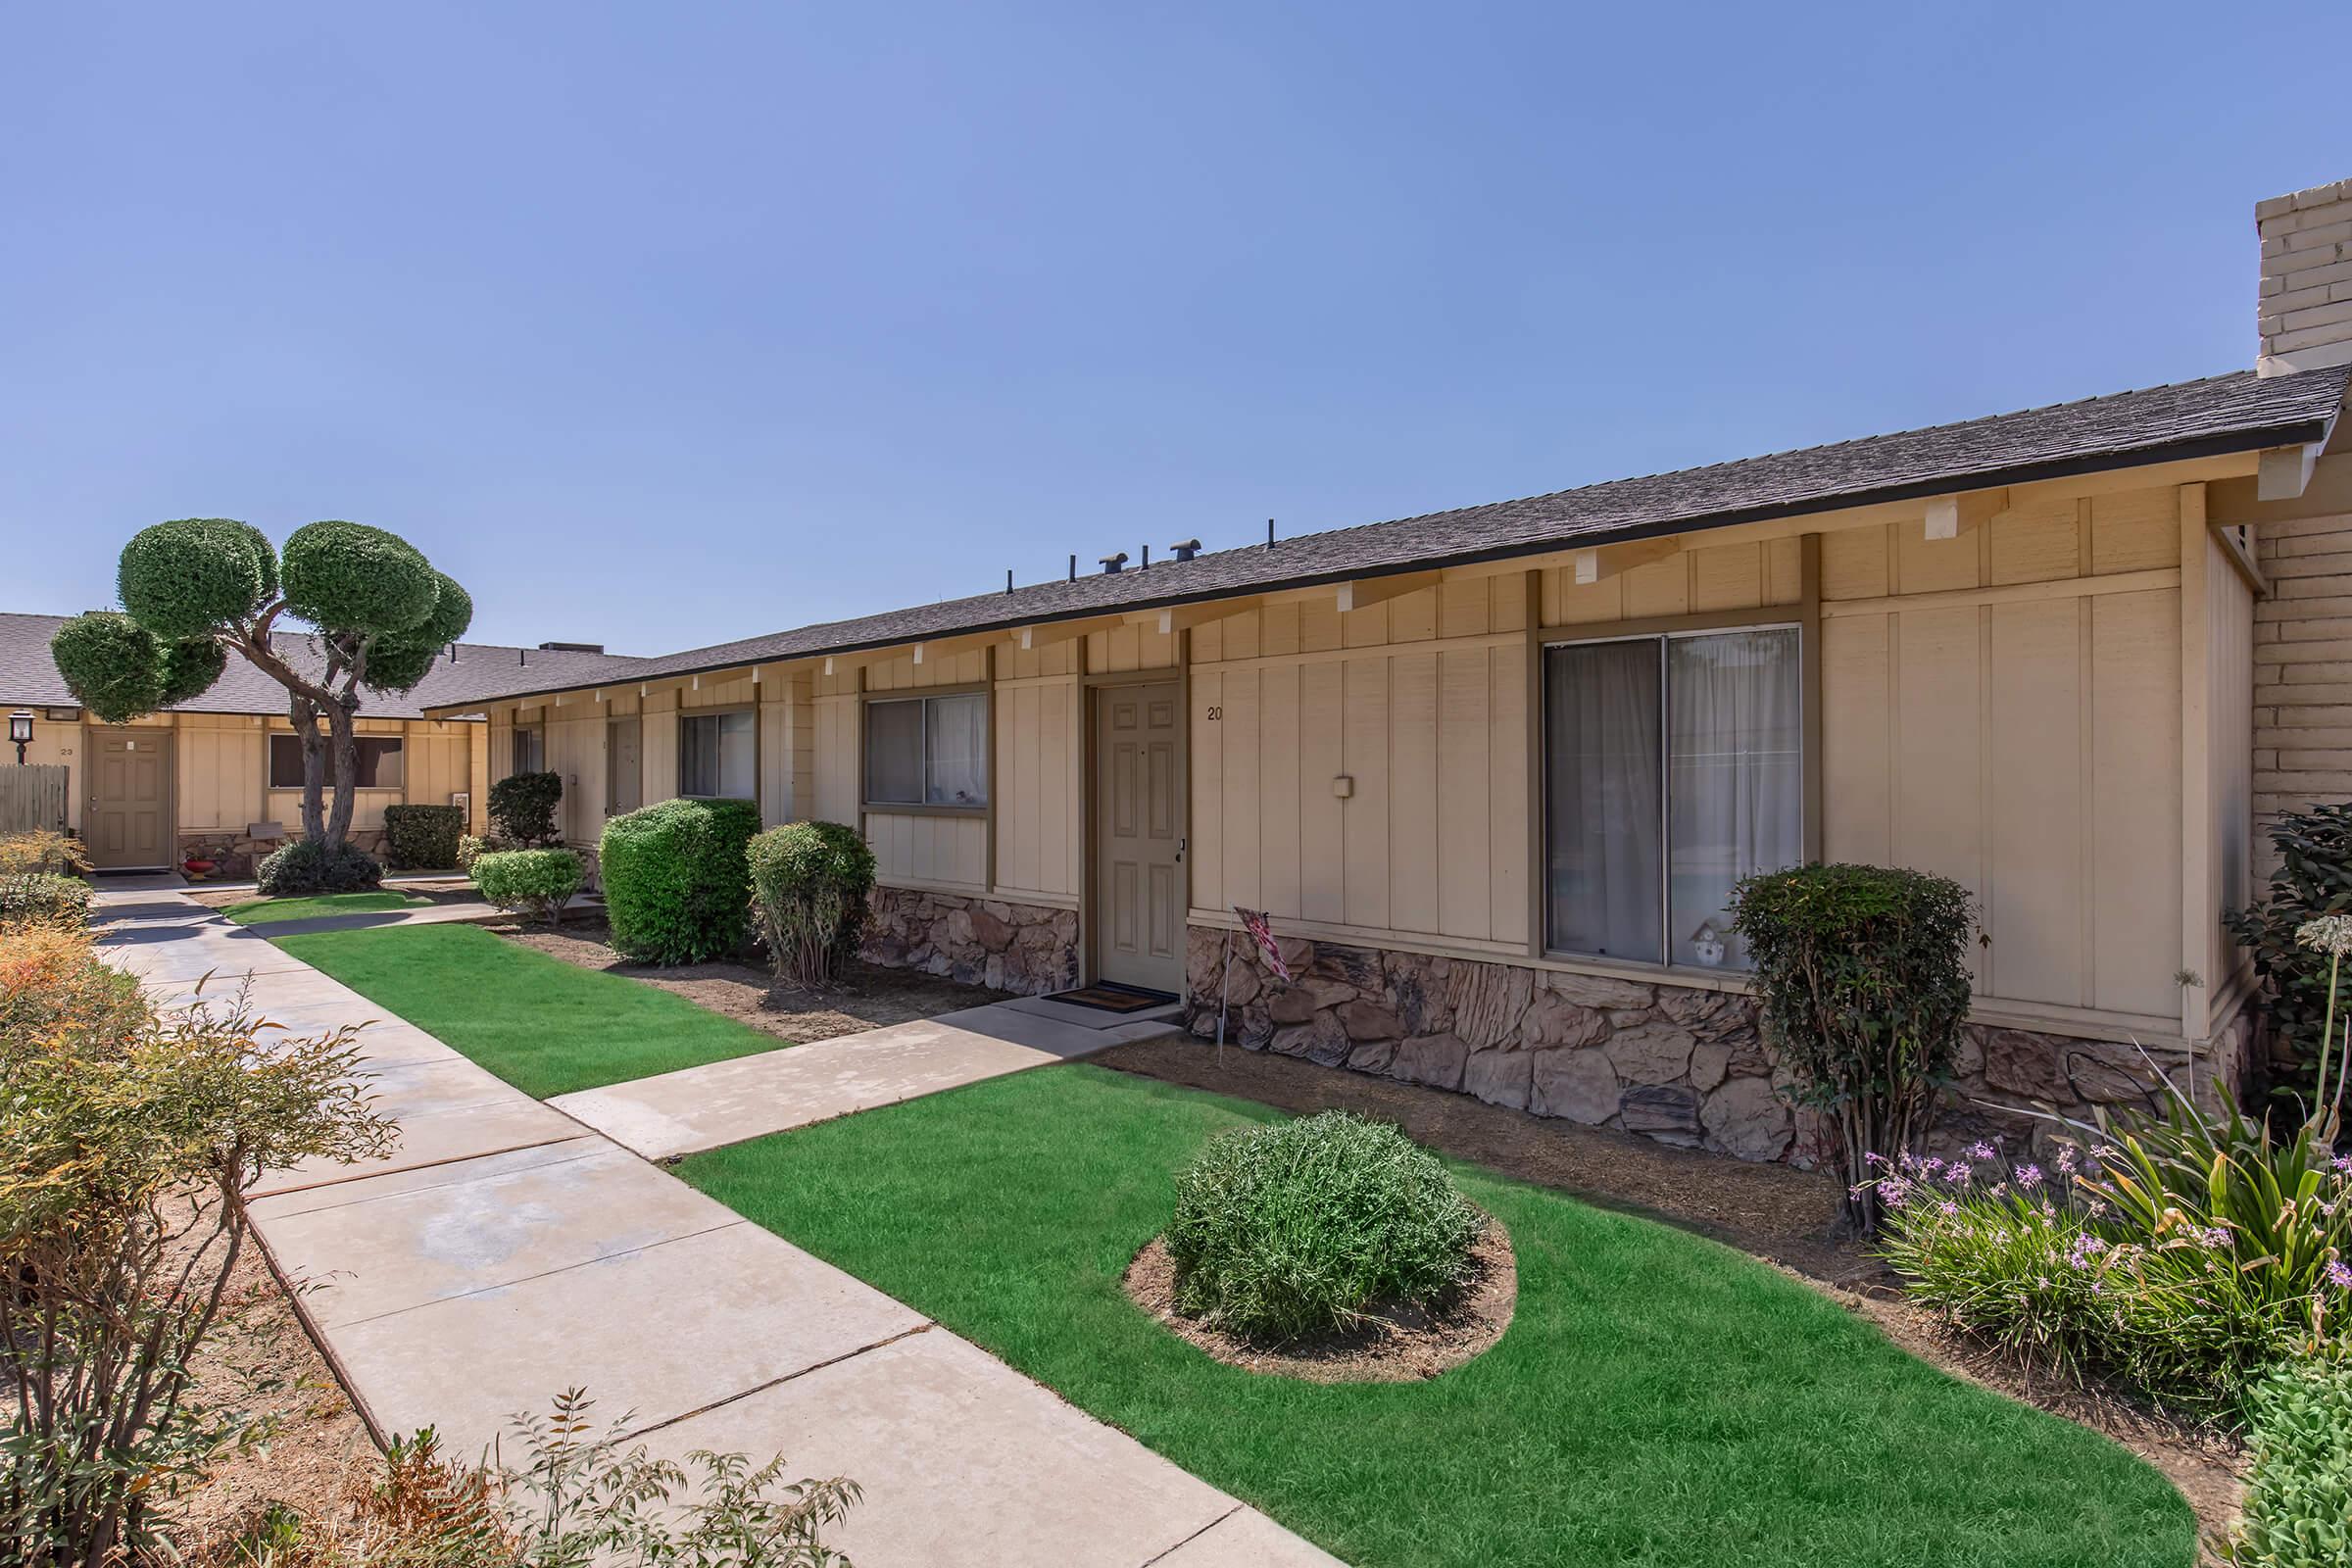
x=197, y=590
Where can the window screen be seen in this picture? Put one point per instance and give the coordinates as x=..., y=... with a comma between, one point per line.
x=717, y=756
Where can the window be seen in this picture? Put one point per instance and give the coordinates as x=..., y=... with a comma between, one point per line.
x=1673, y=767
x=927, y=750
x=380, y=763
x=717, y=755
x=530, y=751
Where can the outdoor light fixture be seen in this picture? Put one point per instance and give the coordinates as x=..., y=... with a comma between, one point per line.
x=20, y=730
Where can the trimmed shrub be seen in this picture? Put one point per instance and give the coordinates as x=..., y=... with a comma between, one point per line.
x=309, y=866
x=346, y=576
x=1863, y=974
x=2298, y=1510
x=810, y=881
x=1296, y=1229
x=423, y=837
x=678, y=882
x=45, y=898
x=523, y=806
x=2314, y=879
x=471, y=848
x=41, y=849
x=536, y=882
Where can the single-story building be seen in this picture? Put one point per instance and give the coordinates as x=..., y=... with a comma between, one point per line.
x=220, y=777
x=1494, y=771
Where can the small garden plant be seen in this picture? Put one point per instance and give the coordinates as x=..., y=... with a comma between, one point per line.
x=2298, y=1510
x=1863, y=975
x=424, y=837
x=678, y=880
x=1293, y=1231
x=2314, y=881
x=810, y=881
x=536, y=882
x=308, y=865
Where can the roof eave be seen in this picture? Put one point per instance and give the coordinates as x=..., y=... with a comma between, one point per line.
x=2298, y=432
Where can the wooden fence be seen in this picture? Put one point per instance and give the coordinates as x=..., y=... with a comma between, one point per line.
x=32, y=795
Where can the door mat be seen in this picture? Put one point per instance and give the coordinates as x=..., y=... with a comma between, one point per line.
x=1108, y=996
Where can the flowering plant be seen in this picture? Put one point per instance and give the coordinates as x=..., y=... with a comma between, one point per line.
x=2118, y=1264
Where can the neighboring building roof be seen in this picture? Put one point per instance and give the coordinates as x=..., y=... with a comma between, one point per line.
x=28, y=677
x=2236, y=413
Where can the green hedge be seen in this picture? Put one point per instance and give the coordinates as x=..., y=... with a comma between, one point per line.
x=677, y=880
x=307, y=866
x=423, y=837
x=810, y=881
x=523, y=806
x=538, y=882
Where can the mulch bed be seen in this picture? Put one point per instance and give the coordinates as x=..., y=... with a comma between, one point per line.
x=1397, y=1344
x=1776, y=1212
x=865, y=996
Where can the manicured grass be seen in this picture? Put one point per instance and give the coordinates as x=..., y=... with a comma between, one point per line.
x=269, y=911
x=1658, y=1400
x=545, y=1026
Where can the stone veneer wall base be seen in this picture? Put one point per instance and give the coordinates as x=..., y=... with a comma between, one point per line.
x=1024, y=947
x=1679, y=1065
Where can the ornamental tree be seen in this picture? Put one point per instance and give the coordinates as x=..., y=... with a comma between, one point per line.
x=200, y=589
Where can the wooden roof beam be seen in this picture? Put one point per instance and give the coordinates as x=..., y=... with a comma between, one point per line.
x=1602, y=562
x=1950, y=517
x=1365, y=592
x=2284, y=473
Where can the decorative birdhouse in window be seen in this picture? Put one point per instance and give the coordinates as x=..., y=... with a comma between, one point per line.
x=1706, y=944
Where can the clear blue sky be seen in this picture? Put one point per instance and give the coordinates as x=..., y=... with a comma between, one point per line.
x=659, y=325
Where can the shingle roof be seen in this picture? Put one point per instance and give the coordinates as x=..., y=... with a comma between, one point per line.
x=2234, y=412
x=29, y=677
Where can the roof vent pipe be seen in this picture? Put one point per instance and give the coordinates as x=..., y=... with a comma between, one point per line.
x=1184, y=549
x=1269, y=533
x=1112, y=563
x=1073, y=569
x=1147, y=558
x=1009, y=579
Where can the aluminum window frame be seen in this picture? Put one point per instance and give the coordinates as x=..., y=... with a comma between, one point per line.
x=986, y=694
x=1804, y=805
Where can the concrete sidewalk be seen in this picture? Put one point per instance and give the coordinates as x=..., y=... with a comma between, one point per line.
x=727, y=1102
x=506, y=1252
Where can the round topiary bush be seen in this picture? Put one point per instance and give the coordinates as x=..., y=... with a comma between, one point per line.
x=677, y=883
x=1294, y=1230
x=537, y=882
x=309, y=866
x=810, y=881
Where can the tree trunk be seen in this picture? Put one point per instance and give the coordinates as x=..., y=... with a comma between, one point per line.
x=342, y=734
x=303, y=713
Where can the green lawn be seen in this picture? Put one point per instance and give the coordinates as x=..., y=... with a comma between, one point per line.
x=269, y=911
x=545, y=1026
x=1660, y=1399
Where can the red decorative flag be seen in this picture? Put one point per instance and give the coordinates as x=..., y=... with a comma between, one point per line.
x=1261, y=932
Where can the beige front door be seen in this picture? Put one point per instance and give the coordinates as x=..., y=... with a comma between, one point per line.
x=624, y=766
x=1138, y=836
x=129, y=819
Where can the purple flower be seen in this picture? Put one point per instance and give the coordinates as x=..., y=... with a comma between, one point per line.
x=2028, y=1177
x=2341, y=1162
x=2338, y=1275
x=2066, y=1160
x=1958, y=1172
x=1979, y=1149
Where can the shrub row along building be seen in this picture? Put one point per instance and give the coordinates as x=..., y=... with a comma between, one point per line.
x=1494, y=771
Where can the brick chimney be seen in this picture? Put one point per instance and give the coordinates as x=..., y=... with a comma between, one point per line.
x=2306, y=306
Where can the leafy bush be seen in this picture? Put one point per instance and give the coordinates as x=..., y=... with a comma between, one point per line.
x=423, y=837
x=810, y=882
x=678, y=880
x=130, y=1142
x=306, y=866
x=1863, y=975
x=41, y=850
x=576, y=1499
x=2314, y=880
x=523, y=806
x=537, y=882
x=37, y=895
x=471, y=848
x=1297, y=1228
x=2298, y=1507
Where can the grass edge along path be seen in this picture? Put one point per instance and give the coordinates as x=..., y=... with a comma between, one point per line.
x=543, y=1025
x=312, y=906
x=1660, y=1399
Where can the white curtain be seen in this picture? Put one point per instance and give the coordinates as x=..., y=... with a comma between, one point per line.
x=1735, y=780
x=1603, y=847
x=738, y=757
x=955, y=751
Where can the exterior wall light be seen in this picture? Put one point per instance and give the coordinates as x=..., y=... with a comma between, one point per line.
x=20, y=730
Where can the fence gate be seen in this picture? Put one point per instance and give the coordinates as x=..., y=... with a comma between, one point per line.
x=32, y=795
